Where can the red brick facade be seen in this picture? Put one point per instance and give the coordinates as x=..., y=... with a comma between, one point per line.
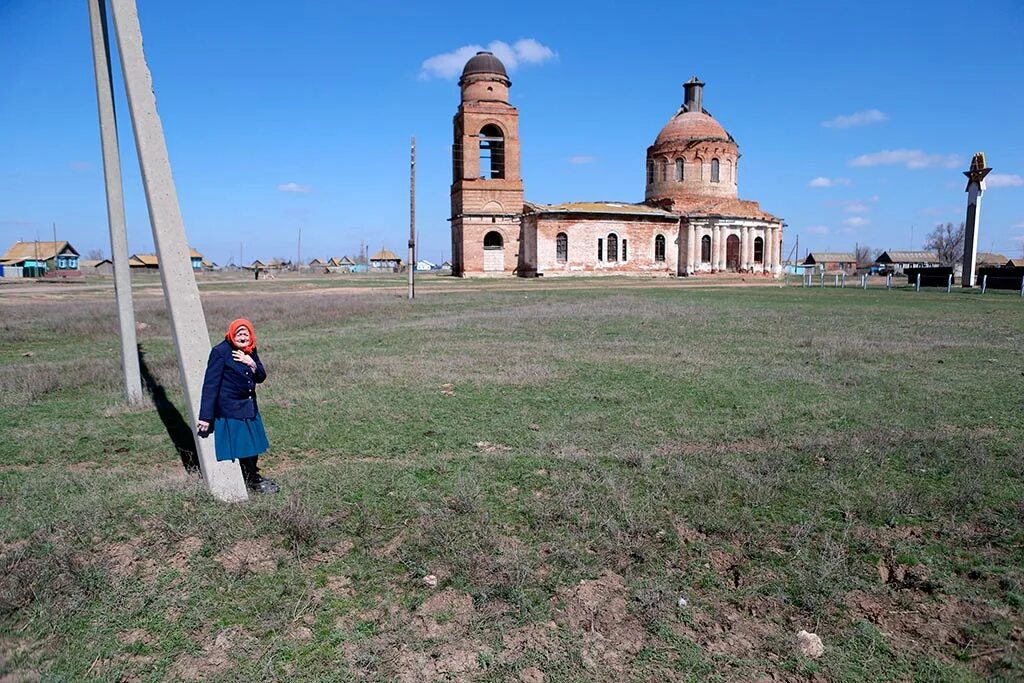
x=692, y=220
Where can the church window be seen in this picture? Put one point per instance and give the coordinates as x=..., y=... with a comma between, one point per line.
x=758, y=250
x=663, y=170
x=650, y=171
x=493, y=240
x=492, y=153
x=623, y=249
x=613, y=247
x=659, y=248
x=600, y=249
x=561, y=247
x=705, y=249
x=714, y=170
x=679, y=170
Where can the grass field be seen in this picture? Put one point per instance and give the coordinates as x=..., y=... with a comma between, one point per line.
x=567, y=459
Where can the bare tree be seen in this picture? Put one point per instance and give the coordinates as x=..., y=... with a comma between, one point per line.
x=95, y=254
x=863, y=255
x=947, y=242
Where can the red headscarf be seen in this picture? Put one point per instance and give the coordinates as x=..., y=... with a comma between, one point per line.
x=233, y=328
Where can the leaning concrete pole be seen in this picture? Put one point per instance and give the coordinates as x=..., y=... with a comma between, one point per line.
x=115, y=201
x=191, y=338
x=975, y=189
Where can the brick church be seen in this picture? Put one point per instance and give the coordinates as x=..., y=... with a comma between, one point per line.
x=691, y=221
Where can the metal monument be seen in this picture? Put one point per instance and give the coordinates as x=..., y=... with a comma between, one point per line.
x=188, y=324
x=975, y=189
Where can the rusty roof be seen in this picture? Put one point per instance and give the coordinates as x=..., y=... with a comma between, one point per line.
x=600, y=208
x=725, y=207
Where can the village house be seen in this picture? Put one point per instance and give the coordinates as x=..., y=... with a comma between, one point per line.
x=37, y=259
x=691, y=221
x=152, y=262
x=898, y=261
x=385, y=260
x=102, y=266
x=831, y=262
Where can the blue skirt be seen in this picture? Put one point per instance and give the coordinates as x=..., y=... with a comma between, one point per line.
x=239, y=438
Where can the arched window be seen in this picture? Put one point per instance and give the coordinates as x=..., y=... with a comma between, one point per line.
x=650, y=171
x=613, y=247
x=492, y=152
x=705, y=249
x=700, y=168
x=659, y=248
x=493, y=240
x=714, y=170
x=758, y=250
x=561, y=247
x=662, y=170
x=679, y=170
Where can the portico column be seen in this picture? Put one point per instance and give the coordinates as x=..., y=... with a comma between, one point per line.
x=766, y=258
x=723, y=249
x=775, y=251
x=748, y=249
x=715, y=237
x=691, y=236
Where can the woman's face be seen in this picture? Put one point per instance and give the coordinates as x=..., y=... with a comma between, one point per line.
x=241, y=337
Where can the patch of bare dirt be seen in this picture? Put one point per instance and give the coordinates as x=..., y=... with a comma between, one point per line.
x=445, y=615
x=597, y=608
x=184, y=550
x=456, y=661
x=687, y=534
x=735, y=630
x=125, y=558
x=727, y=565
x=539, y=637
x=136, y=636
x=340, y=550
x=488, y=447
x=915, y=620
x=251, y=555
x=216, y=656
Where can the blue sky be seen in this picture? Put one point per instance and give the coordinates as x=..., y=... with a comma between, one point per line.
x=281, y=116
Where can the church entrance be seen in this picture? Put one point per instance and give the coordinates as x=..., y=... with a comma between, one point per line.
x=732, y=253
x=494, y=252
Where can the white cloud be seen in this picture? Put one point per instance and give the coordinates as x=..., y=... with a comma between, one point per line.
x=856, y=221
x=1019, y=225
x=822, y=181
x=856, y=207
x=818, y=229
x=860, y=118
x=293, y=187
x=448, y=65
x=1004, y=180
x=582, y=159
x=911, y=158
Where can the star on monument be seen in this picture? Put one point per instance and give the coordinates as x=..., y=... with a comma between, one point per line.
x=977, y=172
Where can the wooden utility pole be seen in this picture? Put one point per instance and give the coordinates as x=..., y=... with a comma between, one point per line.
x=412, y=219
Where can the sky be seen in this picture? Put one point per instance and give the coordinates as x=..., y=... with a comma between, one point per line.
x=855, y=120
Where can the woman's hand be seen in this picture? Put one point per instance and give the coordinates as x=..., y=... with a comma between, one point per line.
x=203, y=427
x=244, y=358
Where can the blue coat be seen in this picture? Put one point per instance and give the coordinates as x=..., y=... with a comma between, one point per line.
x=229, y=389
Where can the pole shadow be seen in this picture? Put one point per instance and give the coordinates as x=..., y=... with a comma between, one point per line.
x=176, y=425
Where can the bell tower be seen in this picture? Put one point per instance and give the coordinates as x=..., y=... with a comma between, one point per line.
x=487, y=191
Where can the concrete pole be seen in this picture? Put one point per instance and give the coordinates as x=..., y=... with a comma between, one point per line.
x=412, y=218
x=984, y=283
x=917, y=283
x=115, y=202
x=864, y=281
x=949, y=283
x=188, y=325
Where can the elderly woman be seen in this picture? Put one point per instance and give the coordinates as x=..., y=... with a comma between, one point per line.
x=228, y=406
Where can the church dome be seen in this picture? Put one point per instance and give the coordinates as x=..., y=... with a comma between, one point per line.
x=691, y=125
x=484, y=62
